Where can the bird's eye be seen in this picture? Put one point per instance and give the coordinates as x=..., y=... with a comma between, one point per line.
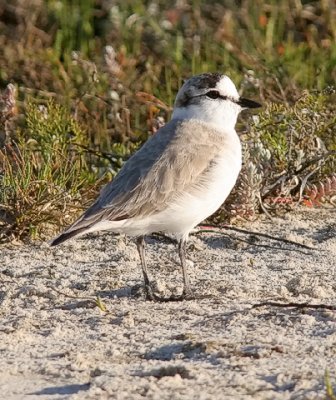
x=213, y=94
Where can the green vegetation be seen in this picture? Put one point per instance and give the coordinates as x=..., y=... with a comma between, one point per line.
x=330, y=394
x=43, y=170
x=93, y=58
x=289, y=156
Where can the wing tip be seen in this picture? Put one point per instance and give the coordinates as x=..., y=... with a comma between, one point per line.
x=63, y=237
x=59, y=239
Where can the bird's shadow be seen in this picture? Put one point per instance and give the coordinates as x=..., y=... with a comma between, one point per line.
x=65, y=389
x=138, y=291
x=219, y=242
x=126, y=291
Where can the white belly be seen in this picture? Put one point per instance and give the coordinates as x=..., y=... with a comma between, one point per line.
x=194, y=208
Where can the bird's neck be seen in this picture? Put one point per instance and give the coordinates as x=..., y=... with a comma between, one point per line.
x=222, y=121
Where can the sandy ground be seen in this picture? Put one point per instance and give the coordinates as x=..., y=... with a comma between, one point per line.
x=55, y=343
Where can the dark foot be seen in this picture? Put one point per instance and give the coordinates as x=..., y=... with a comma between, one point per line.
x=151, y=296
x=149, y=293
x=187, y=292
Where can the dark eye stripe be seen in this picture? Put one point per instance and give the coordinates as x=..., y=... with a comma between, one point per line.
x=214, y=94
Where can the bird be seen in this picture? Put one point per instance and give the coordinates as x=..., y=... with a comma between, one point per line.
x=179, y=177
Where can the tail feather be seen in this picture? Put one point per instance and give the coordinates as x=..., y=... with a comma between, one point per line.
x=67, y=235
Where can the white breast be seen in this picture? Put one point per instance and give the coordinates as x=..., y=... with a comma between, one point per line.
x=193, y=209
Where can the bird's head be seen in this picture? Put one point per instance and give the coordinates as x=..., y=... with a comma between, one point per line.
x=212, y=98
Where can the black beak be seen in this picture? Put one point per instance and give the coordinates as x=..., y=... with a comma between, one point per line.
x=246, y=103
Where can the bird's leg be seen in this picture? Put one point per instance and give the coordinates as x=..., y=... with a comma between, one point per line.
x=182, y=249
x=140, y=242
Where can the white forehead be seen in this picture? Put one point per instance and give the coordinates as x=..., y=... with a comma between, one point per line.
x=226, y=87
